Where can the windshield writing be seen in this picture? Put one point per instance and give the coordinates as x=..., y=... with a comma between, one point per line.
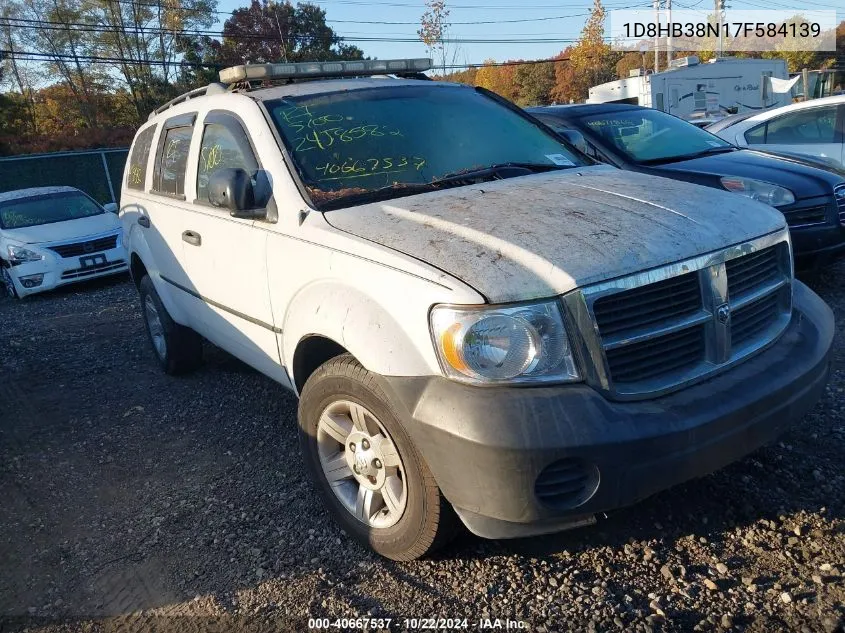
x=404, y=137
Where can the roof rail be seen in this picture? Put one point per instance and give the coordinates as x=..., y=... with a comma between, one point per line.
x=210, y=89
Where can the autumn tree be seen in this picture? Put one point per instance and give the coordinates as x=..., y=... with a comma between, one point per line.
x=591, y=61
x=271, y=32
x=434, y=26
x=534, y=83
x=467, y=76
x=498, y=78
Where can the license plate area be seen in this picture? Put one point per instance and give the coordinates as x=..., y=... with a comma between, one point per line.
x=92, y=261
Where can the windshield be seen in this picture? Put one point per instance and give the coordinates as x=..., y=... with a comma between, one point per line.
x=651, y=136
x=54, y=207
x=385, y=142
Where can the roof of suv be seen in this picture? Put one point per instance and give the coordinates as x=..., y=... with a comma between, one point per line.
x=304, y=88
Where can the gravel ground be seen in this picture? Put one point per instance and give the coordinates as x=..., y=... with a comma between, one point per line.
x=135, y=501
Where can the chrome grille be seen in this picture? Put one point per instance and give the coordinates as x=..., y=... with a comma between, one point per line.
x=754, y=318
x=652, y=357
x=656, y=331
x=839, y=194
x=78, y=249
x=752, y=271
x=646, y=305
x=806, y=217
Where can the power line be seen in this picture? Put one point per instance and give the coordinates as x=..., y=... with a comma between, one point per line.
x=90, y=28
x=34, y=56
x=488, y=7
x=378, y=22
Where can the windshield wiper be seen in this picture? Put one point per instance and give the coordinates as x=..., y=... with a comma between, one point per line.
x=400, y=189
x=676, y=159
x=495, y=169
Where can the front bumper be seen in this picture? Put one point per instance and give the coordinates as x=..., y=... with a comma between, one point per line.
x=486, y=447
x=816, y=246
x=59, y=271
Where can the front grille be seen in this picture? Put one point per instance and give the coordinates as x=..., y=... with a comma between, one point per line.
x=78, y=249
x=806, y=217
x=754, y=318
x=641, y=361
x=752, y=271
x=646, y=305
x=566, y=483
x=839, y=194
x=658, y=330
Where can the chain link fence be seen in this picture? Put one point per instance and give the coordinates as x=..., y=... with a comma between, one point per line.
x=96, y=172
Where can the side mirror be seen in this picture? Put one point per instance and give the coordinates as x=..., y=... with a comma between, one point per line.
x=575, y=138
x=231, y=188
x=111, y=207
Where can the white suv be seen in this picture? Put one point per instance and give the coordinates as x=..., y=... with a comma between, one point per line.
x=481, y=324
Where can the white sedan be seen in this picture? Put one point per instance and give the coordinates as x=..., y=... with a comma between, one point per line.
x=52, y=236
x=812, y=128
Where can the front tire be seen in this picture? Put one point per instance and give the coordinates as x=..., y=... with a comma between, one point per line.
x=7, y=282
x=371, y=477
x=177, y=348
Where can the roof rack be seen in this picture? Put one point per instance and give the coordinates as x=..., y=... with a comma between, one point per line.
x=210, y=89
x=310, y=70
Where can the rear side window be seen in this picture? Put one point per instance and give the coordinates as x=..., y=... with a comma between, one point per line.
x=810, y=126
x=756, y=135
x=224, y=145
x=136, y=175
x=173, y=161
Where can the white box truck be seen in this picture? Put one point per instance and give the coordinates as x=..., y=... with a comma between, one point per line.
x=692, y=90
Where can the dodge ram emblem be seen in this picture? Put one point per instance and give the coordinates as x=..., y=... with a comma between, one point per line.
x=723, y=313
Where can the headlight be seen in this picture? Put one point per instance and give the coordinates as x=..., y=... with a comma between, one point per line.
x=758, y=190
x=19, y=255
x=503, y=344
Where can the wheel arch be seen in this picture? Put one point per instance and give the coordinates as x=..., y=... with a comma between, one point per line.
x=343, y=319
x=312, y=351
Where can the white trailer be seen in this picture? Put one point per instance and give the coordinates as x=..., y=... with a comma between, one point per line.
x=690, y=89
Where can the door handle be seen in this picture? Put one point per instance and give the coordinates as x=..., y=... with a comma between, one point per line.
x=144, y=221
x=191, y=237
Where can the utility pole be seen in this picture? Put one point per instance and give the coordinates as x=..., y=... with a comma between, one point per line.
x=279, y=27
x=669, y=36
x=657, y=36
x=720, y=18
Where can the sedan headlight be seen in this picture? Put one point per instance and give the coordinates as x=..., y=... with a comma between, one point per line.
x=19, y=255
x=503, y=344
x=773, y=195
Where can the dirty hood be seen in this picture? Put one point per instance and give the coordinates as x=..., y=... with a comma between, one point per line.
x=546, y=234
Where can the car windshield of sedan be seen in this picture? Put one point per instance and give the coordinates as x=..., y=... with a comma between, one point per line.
x=46, y=209
x=378, y=143
x=651, y=136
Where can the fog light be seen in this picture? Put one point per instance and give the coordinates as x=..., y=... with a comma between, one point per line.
x=31, y=281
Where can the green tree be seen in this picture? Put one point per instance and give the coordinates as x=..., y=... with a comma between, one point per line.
x=270, y=32
x=591, y=61
x=534, y=83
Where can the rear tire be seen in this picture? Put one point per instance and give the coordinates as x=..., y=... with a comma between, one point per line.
x=391, y=501
x=177, y=348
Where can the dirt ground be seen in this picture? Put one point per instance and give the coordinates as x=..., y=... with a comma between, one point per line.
x=136, y=501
